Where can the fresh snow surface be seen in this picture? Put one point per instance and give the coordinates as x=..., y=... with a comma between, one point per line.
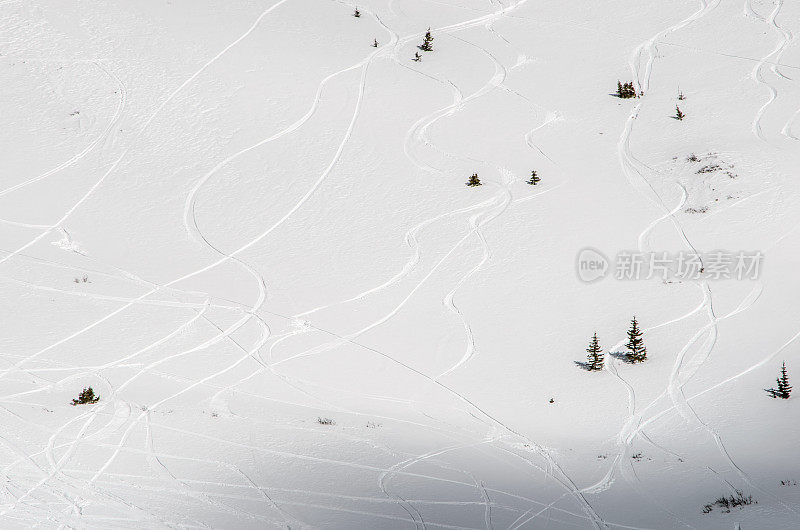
x=272, y=223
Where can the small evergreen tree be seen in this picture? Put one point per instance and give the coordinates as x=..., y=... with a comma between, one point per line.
x=681, y=97
x=474, y=180
x=417, y=57
x=427, y=42
x=534, y=180
x=356, y=13
x=678, y=114
x=375, y=43
x=784, y=388
x=86, y=397
x=636, y=350
x=595, y=356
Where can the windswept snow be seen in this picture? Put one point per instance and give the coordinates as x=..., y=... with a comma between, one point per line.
x=238, y=220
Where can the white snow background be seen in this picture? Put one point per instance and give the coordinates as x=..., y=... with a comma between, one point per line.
x=272, y=221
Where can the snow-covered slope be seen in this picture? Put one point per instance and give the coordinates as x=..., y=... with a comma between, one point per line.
x=235, y=219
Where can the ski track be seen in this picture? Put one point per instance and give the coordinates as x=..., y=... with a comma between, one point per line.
x=680, y=376
x=384, y=478
x=481, y=214
x=418, y=132
x=56, y=468
x=262, y=294
x=772, y=57
x=476, y=221
x=152, y=116
x=163, y=104
x=424, y=502
x=342, y=463
x=239, y=324
x=786, y=130
x=564, y=480
x=641, y=75
x=635, y=172
x=122, y=442
x=123, y=96
x=495, y=81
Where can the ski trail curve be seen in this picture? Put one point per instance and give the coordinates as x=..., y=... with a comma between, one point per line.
x=90, y=147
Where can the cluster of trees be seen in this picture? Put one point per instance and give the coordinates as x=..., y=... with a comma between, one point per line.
x=626, y=90
x=474, y=180
x=86, y=397
x=637, y=352
x=426, y=46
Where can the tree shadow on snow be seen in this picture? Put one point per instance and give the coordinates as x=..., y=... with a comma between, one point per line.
x=622, y=356
x=584, y=366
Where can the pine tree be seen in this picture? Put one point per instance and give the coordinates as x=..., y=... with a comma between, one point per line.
x=86, y=397
x=474, y=180
x=595, y=356
x=356, y=13
x=784, y=388
x=417, y=57
x=637, y=352
x=375, y=43
x=427, y=43
x=678, y=114
x=534, y=180
x=681, y=97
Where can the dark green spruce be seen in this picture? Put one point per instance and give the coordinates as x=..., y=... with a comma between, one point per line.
x=595, y=357
x=427, y=42
x=784, y=389
x=637, y=352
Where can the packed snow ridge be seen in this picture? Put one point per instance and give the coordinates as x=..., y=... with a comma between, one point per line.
x=400, y=264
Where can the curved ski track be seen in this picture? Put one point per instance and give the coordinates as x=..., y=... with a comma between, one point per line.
x=682, y=371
